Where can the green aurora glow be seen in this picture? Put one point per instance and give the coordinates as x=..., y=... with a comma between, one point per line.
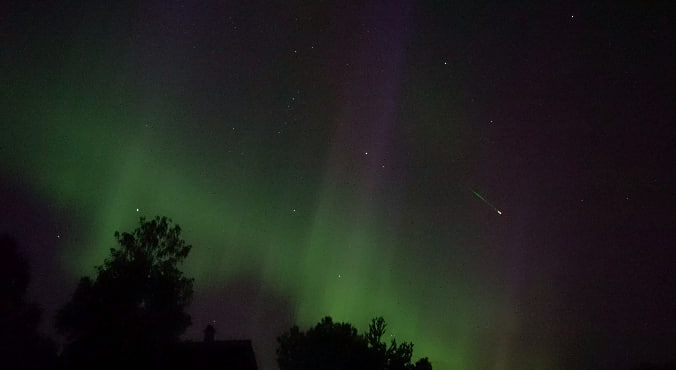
x=96, y=139
x=239, y=223
x=88, y=155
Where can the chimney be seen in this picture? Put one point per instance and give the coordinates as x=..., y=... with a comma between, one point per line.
x=209, y=333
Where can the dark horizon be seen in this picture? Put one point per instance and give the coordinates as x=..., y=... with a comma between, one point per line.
x=496, y=180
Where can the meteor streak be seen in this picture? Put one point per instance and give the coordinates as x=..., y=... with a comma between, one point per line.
x=487, y=202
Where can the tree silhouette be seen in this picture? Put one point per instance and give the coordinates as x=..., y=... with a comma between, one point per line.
x=135, y=305
x=21, y=345
x=335, y=346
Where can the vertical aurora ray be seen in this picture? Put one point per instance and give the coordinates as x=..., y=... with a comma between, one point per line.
x=352, y=269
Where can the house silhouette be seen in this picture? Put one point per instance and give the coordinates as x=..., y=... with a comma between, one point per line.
x=211, y=354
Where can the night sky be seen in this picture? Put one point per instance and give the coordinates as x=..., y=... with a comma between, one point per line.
x=350, y=159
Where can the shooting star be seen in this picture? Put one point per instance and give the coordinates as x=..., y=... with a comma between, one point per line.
x=487, y=202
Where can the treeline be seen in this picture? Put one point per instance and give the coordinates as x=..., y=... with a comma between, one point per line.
x=133, y=312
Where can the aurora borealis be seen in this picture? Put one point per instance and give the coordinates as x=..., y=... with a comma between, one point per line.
x=325, y=159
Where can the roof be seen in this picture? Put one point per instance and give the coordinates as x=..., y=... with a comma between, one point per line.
x=220, y=354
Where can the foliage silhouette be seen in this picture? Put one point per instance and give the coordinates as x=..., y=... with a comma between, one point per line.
x=337, y=346
x=135, y=305
x=21, y=345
